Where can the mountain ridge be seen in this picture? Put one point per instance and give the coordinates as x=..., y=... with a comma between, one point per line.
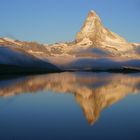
x=92, y=34
x=93, y=41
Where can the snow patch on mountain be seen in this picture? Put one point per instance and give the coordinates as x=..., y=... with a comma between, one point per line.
x=11, y=41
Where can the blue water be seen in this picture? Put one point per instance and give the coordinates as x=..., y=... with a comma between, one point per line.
x=44, y=112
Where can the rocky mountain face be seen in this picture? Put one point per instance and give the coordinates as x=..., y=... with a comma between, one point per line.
x=30, y=47
x=15, y=60
x=94, y=32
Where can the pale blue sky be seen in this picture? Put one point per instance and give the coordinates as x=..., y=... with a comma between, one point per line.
x=49, y=21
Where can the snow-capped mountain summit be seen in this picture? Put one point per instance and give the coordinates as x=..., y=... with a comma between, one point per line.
x=96, y=32
x=100, y=36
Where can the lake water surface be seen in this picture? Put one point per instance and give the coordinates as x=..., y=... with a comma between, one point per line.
x=76, y=106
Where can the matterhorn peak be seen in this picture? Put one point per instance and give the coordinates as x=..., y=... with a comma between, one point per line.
x=90, y=27
x=94, y=30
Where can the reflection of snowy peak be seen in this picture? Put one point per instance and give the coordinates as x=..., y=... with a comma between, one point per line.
x=93, y=91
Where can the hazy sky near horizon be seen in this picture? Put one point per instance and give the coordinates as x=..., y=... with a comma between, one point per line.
x=49, y=21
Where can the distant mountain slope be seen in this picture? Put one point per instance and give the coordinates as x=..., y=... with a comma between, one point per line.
x=17, y=61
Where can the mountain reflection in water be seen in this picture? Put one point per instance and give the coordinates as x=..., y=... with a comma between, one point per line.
x=93, y=91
